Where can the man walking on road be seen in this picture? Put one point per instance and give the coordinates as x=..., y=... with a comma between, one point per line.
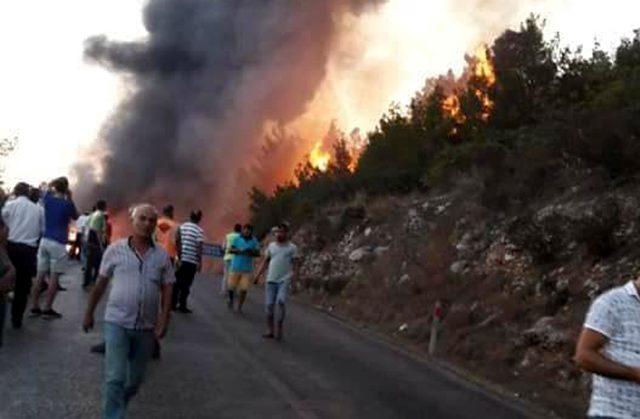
x=137, y=311
x=244, y=249
x=189, y=242
x=609, y=348
x=228, y=256
x=281, y=259
x=25, y=221
x=96, y=231
x=59, y=211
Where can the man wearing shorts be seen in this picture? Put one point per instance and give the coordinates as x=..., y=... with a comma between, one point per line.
x=228, y=256
x=244, y=249
x=281, y=259
x=59, y=211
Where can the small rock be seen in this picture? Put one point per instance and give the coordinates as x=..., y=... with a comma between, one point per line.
x=403, y=327
x=361, y=254
x=367, y=232
x=458, y=267
x=404, y=278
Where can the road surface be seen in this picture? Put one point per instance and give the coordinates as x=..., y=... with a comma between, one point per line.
x=215, y=364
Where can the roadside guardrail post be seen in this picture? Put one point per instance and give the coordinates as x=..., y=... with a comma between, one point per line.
x=435, y=326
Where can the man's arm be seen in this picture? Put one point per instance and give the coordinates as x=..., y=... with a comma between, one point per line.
x=165, y=310
x=262, y=268
x=94, y=299
x=589, y=357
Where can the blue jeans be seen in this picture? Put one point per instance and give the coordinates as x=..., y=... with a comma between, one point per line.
x=276, y=293
x=126, y=354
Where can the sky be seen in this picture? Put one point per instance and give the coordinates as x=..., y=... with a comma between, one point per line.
x=56, y=103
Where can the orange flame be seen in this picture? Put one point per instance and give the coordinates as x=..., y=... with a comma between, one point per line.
x=451, y=105
x=319, y=158
x=482, y=69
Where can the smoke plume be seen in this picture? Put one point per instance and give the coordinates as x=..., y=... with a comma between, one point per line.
x=208, y=80
x=217, y=84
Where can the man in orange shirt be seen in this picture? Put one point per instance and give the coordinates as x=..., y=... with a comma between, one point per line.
x=166, y=232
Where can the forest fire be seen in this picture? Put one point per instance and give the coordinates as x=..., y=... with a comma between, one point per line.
x=481, y=75
x=319, y=158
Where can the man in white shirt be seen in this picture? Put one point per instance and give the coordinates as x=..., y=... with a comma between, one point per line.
x=281, y=257
x=25, y=221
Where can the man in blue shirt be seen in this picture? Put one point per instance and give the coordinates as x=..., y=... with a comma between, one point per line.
x=244, y=249
x=59, y=211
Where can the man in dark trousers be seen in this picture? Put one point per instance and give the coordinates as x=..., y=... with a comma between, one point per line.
x=25, y=222
x=189, y=239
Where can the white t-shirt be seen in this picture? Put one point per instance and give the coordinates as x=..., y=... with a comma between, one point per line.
x=281, y=261
x=25, y=221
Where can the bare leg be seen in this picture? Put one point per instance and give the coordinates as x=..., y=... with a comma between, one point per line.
x=52, y=290
x=35, y=295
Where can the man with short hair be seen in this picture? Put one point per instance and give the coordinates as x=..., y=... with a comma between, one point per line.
x=244, y=249
x=96, y=241
x=281, y=259
x=137, y=310
x=189, y=243
x=25, y=221
x=609, y=348
x=228, y=256
x=59, y=211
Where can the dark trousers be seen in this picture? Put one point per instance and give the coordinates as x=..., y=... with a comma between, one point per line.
x=24, y=259
x=92, y=263
x=2, y=314
x=184, y=278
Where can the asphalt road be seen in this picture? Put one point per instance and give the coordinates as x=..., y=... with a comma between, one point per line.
x=215, y=364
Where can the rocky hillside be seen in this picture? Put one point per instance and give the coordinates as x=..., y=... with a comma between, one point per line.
x=514, y=286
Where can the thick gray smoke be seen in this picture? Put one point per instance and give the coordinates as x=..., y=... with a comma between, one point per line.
x=206, y=80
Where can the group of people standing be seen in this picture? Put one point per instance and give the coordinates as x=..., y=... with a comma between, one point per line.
x=151, y=273
x=37, y=220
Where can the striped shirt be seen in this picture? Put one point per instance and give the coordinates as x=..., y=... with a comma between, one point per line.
x=616, y=315
x=191, y=238
x=134, y=298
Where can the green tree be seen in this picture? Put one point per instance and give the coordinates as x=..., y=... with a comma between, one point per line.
x=525, y=72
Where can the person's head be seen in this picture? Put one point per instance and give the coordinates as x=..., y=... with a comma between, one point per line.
x=195, y=216
x=101, y=205
x=282, y=232
x=144, y=218
x=21, y=189
x=34, y=194
x=247, y=230
x=60, y=185
x=237, y=228
x=167, y=211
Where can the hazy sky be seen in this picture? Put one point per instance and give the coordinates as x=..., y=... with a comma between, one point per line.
x=56, y=103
